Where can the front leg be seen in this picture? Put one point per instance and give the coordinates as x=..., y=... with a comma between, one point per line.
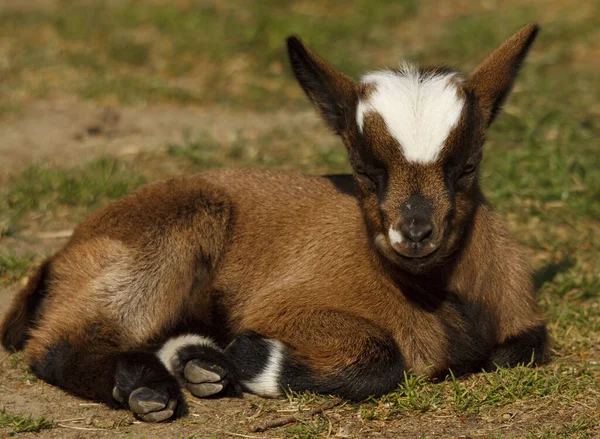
x=320, y=351
x=200, y=365
x=355, y=367
x=530, y=346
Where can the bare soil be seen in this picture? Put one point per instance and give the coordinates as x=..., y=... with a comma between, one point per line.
x=68, y=131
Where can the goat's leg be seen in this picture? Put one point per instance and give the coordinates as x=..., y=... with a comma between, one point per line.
x=529, y=346
x=129, y=275
x=91, y=364
x=320, y=351
x=200, y=365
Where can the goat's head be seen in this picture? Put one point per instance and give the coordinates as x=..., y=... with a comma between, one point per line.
x=415, y=140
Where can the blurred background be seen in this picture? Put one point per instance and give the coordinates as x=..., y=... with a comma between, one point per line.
x=99, y=97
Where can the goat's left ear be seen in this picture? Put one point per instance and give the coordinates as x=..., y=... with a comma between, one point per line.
x=333, y=94
x=493, y=79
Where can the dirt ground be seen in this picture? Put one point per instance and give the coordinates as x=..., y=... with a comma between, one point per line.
x=68, y=131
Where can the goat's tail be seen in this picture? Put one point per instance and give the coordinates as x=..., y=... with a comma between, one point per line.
x=24, y=310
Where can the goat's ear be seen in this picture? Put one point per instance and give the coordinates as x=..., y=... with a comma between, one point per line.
x=332, y=93
x=493, y=79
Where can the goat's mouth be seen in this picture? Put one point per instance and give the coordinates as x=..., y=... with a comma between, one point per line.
x=412, y=252
x=415, y=258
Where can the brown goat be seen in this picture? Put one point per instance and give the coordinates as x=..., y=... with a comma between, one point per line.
x=239, y=280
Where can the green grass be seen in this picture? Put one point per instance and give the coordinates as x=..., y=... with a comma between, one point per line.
x=138, y=54
x=282, y=148
x=308, y=429
x=21, y=423
x=235, y=56
x=485, y=390
x=580, y=428
x=127, y=51
x=46, y=189
x=130, y=89
x=13, y=267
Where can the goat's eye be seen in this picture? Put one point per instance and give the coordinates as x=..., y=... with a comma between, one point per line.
x=370, y=178
x=469, y=168
x=465, y=175
x=364, y=175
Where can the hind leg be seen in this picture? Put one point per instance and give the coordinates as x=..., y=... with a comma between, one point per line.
x=92, y=337
x=92, y=363
x=129, y=275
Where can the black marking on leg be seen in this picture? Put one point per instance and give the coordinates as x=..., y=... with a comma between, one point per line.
x=527, y=347
x=250, y=353
x=112, y=377
x=257, y=362
x=85, y=373
x=467, y=343
x=377, y=370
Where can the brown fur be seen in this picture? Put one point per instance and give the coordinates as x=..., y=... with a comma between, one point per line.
x=285, y=275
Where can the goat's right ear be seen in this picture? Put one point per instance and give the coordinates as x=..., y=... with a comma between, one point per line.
x=333, y=94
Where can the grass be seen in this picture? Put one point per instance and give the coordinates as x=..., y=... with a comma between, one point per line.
x=541, y=168
x=581, y=428
x=13, y=267
x=21, y=423
x=44, y=194
x=482, y=391
x=226, y=55
x=308, y=429
x=129, y=88
x=282, y=148
x=46, y=189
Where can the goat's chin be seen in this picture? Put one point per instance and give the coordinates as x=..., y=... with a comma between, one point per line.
x=416, y=264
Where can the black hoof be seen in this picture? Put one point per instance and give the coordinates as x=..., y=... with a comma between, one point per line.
x=205, y=371
x=151, y=405
x=143, y=385
x=204, y=379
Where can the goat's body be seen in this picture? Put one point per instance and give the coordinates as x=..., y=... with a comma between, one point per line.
x=255, y=280
x=222, y=253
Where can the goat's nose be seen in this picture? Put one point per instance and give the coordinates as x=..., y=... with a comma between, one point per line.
x=416, y=231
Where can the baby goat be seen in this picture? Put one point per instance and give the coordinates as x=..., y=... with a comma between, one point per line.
x=241, y=280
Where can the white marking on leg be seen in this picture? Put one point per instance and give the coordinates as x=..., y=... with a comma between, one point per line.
x=419, y=109
x=267, y=382
x=395, y=236
x=168, y=352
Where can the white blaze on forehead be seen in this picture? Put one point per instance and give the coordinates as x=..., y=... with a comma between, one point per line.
x=419, y=109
